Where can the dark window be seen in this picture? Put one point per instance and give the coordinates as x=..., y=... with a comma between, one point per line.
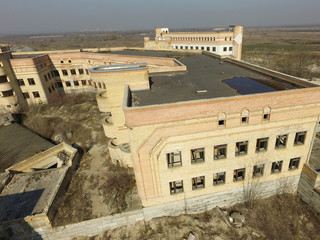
x=8, y=106
x=49, y=89
x=300, y=138
x=244, y=120
x=258, y=170
x=208, y=48
x=26, y=95
x=45, y=78
x=191, y=47
x=56, y=73
x=69, y=61
x=222, y=122
x=225, y=38
x=239, y=174
x=202, y=48
x=281, y=141
x=174, y=159
x=294, y=163
x=3, y=79
x=176, y=187
x=84, y=82
x=198, y=182
x=36, y=94
x=20, y=82
x=220, y=151
x=181, y=47
x=52, y=86
x=219, y=178
x=59, y=84
x=225, y=49
x=276, y=167
x=76, y=82
x=31, y=81
x=104, y=85
x=266, y=117
x=80, y=70
x=187, y=47
x=61, y=61
x=241, y=148
x=73, y=71
x=197, y=48
x=68, y=83
x=262, y=144
x=214, y=49
x=230, y=48
x=87, y=72
x=197, y=155
x=7, y=93
x=65, y=72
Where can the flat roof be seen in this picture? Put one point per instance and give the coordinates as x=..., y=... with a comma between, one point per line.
x=21, y=56
x=121, y=67
x=19, y=143
x=206, y=78
x=29, y=194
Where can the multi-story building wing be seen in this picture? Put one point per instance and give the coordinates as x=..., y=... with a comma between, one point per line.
x=223, y=42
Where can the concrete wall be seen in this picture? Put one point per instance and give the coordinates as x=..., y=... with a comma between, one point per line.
x=185, y=206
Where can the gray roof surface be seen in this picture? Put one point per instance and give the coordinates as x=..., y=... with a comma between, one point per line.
x=29, y=194
x=203, y=73
x=19, y=143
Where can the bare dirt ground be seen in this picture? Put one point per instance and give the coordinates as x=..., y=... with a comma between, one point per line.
x=279, y=217
x=98, y=187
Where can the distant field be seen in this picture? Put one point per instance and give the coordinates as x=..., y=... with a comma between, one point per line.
x=292, y=50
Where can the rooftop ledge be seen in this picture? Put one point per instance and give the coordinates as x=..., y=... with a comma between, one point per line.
x=118, y=68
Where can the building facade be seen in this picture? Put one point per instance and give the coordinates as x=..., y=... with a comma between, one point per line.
x=223, y=42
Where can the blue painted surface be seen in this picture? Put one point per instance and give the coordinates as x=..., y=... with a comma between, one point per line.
x=248, y=86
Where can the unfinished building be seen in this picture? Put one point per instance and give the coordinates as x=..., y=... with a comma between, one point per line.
x=221, y=41
x=200, y=138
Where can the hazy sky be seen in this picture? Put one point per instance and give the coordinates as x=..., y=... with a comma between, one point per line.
x=37, y=16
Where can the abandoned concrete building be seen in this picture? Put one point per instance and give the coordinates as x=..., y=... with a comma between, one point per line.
x=33, y=185
x=199, y=130
x=221, y=41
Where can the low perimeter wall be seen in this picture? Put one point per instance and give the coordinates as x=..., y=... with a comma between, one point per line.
x=189, y=206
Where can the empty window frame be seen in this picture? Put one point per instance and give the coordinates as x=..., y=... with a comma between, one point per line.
x=219, y=178
x=84, y=82
x=222, y=123
x=197, y=155
x=174, y=159
x=76, y=82
x=266, y=117
x=276, y=167
x=197, y=48
x=87, y=72
x=45, y=78
x=300, y=138
x=220, y=151
x=80, y=70
x=230, y=48
x=208, y=48
x=59, y=84
x=262, y=144
x=31, y=81
x=55, y=73
x=20, y=82
x=73, y=71
x=198, y=182
x=258, y=170
x=225, y=49
x=241, y=148
x=36, y=94
x=176, y=187
x=64, y=72
x=49, y=89
x=281, y=141
x=239, y=174
x=26, y=95
x=213, y=49
x=225, y=38
x=181, y=47
x=68, y=83
x=244, y=120
x=3, y=79
x=294, y=163
x=7, y=93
